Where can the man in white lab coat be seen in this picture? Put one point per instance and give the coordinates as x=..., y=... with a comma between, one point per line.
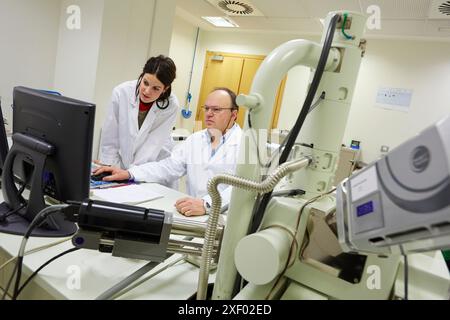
x=203, y=155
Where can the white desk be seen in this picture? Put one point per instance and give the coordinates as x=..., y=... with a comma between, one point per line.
x=99, y=271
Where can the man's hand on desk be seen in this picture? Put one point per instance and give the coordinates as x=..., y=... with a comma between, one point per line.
x=116, y=174
x=190, y=207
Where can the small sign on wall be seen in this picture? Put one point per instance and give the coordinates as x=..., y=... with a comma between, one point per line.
x=394, y=99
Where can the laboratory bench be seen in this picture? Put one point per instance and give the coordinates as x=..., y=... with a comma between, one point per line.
x=86, y=274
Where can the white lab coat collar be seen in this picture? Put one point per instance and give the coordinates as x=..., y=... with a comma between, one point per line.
x=222, y=154
x=133, y=99
x=149, y=119
x=225, y=137
x=133, y=115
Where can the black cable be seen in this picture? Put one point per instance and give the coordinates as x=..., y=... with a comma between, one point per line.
x=9, y=282
x=19, y=262
x=405, y=271
x=280, y=147
x=315, y=104
x=38, y=219
x=313, y=88
x=301, y=118
x=318, y=101
x=3, y=216
x=22, y=188
x=43, y=266
x=405, y=257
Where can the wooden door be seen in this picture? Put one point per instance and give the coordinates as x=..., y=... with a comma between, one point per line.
x=217, y=73
x=236, y=72
x=249, y=69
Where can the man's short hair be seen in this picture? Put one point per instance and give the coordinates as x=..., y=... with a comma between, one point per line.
x=232, y=95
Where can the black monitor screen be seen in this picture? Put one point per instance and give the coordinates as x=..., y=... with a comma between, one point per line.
x=68, y=125
x=63, y=125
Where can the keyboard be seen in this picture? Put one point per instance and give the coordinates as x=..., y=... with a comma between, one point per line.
x=98, y=184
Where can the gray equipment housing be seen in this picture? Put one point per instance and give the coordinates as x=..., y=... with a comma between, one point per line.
x=400, y=203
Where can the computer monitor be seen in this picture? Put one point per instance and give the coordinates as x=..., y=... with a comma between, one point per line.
x=4, y=148
x=51, y=155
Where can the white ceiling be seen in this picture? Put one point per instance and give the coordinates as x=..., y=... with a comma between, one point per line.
x=399, y=18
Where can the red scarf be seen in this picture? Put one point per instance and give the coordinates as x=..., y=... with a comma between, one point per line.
x=145, y=106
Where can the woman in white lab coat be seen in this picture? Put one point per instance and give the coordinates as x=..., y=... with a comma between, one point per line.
x=140, y=117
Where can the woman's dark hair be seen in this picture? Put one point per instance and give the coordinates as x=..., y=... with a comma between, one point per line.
x=164, y=69
x=232, y=95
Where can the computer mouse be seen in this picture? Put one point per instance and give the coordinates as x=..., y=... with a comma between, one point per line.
x=100, y=176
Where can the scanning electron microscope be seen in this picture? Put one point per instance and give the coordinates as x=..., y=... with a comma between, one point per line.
x=377, y=235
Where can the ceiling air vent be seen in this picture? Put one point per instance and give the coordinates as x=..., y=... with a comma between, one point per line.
x=440, y=9
x=444, y=8
x=236, y=8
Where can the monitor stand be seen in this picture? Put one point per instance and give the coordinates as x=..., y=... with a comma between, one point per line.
x=37, y=151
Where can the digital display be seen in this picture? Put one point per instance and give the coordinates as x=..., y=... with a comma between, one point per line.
x=364, y=209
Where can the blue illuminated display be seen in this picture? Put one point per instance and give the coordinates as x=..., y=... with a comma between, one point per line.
x=364, y=209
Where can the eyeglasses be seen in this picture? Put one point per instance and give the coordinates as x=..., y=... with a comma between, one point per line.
x=214, y=110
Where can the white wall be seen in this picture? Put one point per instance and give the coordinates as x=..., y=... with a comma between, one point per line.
x=162, y=27
x=77, y=52
x=182, y=52
x=124, y=47
x=28, y=37
x=421, y=66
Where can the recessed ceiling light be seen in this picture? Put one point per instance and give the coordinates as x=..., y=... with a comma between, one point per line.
x=223, y=22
